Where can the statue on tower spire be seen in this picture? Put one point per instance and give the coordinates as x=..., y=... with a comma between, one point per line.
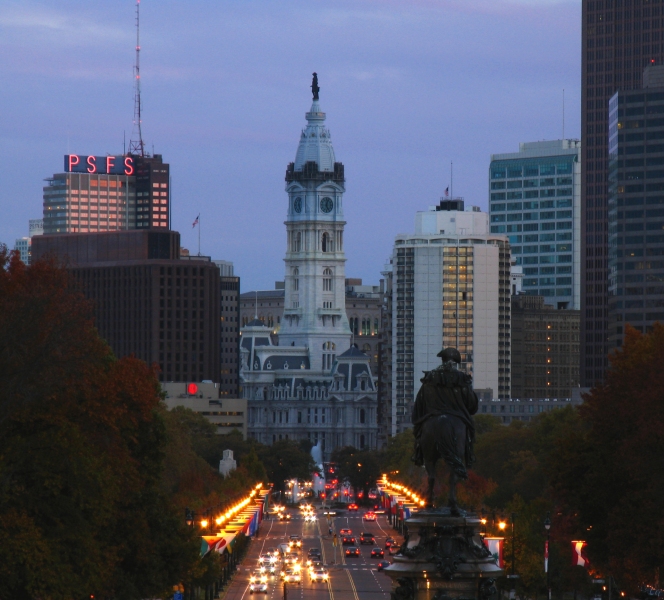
x=314, y=86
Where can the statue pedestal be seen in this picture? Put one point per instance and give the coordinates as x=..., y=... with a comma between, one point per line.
x=443, y=558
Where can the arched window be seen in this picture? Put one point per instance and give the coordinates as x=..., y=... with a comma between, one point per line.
x=297, y=241
x=327, y=280
x=376, y=326
x=366, y=326
x=296, y=279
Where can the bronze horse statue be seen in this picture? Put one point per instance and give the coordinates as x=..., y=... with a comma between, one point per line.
x=443, y=423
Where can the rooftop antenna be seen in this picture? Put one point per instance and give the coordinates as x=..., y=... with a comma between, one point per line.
x=136, y=145
x=563, y=113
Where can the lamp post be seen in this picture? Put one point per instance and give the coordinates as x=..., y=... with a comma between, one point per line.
x=547, y=526
x=285, y=591
x=513, y=561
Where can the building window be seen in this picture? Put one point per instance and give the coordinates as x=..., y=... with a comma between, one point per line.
x=362, y=415
x=326, y=243
x=296, y=279
x=297, y=242
x=327, y=278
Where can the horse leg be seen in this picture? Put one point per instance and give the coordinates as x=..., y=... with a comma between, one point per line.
x=431, y=475
x=452, y=499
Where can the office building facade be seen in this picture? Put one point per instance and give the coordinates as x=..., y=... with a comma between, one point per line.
x=108, y=193
x=147, y=302
x=545, y=349
x=535, y=199
x=636, y=207
x=450, y=286
x=24, y=245
x=619, y=39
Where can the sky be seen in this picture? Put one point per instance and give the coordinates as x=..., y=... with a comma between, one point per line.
x=409, y=87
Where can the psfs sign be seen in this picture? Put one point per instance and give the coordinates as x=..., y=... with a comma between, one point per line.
x=104, y=165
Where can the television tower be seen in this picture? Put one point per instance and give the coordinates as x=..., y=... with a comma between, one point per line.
x=136, y=145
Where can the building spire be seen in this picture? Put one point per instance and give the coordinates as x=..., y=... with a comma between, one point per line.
x=136, y=145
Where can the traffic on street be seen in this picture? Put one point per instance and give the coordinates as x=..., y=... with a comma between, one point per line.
x=314, y=553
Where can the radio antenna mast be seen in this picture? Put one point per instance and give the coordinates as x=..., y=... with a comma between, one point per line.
x=136, y=145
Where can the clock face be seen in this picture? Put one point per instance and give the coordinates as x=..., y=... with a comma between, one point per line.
x=297, y=205
x=326, y=205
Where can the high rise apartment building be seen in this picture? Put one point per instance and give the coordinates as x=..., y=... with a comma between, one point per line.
x=108, y=193
x=450, y=286
x=535, y=199
x=24, y=245
x=619, y=39
x=636, y=207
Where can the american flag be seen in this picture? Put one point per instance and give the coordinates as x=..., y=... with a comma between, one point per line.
x=447, y=192
x=195, y=221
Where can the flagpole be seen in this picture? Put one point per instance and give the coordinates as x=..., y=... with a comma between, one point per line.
x=199, y=234
x=451, y=179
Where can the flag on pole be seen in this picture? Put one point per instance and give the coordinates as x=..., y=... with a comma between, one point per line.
x=580, y=559
x=196, y=221
x=495, y=546
x=447, y=191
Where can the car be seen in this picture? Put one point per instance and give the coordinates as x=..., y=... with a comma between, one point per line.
x=390, y=542
x=272, y=551
x=284, y=516
x=292, y=576
x=283, y=549
x=348, y=540
x=352, y=551
x=258, y=582
x=314, y=553
x=353, y=507
x=345, y=532
x=310, y=518
x=382, y=564
x=367, y=538
x=319, y=575
x=377, y=553
x=315, y=565
x=295, y=540
x=369, y=516
x=292, y=559
x=264, y=558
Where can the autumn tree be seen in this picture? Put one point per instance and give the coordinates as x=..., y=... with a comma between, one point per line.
x=611, y=473
x=82, y=443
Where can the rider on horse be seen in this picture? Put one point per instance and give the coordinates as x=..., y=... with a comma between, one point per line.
x=446, y=391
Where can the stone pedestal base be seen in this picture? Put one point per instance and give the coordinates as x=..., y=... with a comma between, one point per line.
x=443, y=558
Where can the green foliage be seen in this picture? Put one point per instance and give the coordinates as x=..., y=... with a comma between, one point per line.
x=360, y=467
x=285, y=460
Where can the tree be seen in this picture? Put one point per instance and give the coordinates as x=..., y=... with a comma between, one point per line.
x=285, y=460
x=360, y=467
x=81, y=452
x=611, y=473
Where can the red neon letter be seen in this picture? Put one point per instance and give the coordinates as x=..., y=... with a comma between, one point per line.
x=110, y=163
x=73, y=160
x=92, y=165
x=129, y=165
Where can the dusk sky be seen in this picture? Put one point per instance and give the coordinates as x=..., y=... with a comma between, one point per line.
x=408, y=86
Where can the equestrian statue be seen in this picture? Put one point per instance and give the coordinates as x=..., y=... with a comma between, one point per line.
x=443, y=424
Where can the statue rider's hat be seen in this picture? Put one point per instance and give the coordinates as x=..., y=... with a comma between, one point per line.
x=450, y=354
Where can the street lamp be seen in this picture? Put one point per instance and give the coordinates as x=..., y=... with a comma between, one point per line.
x=547, y=526
x=513, y=561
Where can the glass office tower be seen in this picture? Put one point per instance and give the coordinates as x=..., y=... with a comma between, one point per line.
x=535, y=199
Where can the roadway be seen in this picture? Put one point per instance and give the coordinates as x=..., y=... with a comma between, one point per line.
x=351, y=578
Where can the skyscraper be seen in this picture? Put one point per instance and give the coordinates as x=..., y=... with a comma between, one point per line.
x=536, y=201
x=108, y=193
x=636, y=207
x=619, y=39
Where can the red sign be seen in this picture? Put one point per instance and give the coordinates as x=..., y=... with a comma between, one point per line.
x=103, y=165
x=192, y=388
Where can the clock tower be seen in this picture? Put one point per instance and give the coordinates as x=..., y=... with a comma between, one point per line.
x=314, y=302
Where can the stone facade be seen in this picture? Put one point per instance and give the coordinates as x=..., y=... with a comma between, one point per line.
x=314, y=383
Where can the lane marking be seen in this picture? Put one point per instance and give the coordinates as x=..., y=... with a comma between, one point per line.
x=352, y=585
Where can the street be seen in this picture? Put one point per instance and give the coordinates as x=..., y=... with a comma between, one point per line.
x=350, y=578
